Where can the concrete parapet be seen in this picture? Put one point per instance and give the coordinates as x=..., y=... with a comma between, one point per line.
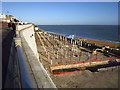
x=21, y=27
x=27, y=35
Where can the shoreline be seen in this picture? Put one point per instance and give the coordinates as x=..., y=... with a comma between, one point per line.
x=99, y=42
x=104, y=43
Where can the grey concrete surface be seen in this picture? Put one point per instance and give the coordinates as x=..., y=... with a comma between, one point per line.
x=7, y=37
x=42, y=79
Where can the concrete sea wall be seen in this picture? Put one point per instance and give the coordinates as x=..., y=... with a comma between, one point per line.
x=27, y=35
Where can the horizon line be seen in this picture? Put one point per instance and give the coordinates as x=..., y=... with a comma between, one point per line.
x=63, y=24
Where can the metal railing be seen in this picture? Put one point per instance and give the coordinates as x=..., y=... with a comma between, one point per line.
x=18, y=75
x=24, y=74
x=25, y=79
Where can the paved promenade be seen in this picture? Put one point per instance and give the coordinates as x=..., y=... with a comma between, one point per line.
x=7, y=37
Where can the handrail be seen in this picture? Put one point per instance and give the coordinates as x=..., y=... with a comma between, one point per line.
x=26, y=81
x=25, y=76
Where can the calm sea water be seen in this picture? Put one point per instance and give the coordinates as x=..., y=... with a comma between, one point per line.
x=97, y=32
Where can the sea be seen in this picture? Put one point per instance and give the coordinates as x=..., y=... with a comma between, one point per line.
x=109, y=33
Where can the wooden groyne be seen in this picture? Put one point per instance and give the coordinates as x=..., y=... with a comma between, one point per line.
x=57, y=49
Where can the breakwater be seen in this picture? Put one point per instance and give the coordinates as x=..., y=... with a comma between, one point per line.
x=56, y=46
x=64, y=55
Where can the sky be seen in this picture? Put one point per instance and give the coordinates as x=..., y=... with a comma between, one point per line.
x=60, y=0
x=64, y=13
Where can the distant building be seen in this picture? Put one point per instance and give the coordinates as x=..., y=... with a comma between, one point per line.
x=2, y=17
x=6, y=18
x=9, y=17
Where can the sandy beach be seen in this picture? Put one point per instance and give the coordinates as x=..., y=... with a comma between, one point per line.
x=103, y=43
x=98, y=42
x=84, y=79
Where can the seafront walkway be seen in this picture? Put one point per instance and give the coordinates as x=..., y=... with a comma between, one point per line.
x=6, y=42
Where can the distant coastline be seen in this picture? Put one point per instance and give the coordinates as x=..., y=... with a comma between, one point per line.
x=99, y=42
x=91, y=40
x=103, y=43
x=58, y=27
x=78, y=24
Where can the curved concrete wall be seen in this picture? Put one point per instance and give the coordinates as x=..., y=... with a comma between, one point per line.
x=26, y=32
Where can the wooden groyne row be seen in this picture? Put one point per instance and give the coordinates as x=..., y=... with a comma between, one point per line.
x=57, y=49
x=81, y=43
